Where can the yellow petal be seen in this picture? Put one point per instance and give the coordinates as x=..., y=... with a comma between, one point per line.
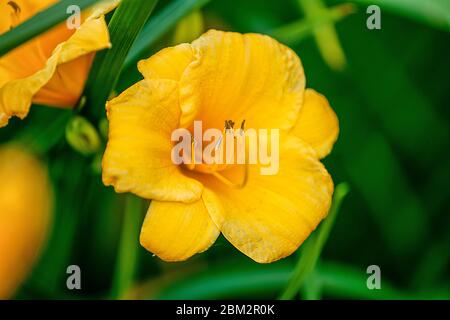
x=138, y=155
x=169, y=63
x=25, y=215
x=16, y=95
x=17, y=11
x=22, y=62
x=272, y=215
x=176, y=231
x=317, y=123
x=240, y=77
x=31, y=56
x=67, y=84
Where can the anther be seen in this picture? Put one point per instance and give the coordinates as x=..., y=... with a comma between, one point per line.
x=229, y=124
x=241, y=129
x=15, y=7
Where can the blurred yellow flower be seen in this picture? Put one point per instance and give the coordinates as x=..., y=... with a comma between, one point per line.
x=222, y=76
x=25, y=201
x=52, y=68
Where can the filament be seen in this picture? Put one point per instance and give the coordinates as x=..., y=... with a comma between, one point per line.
x=191, y=165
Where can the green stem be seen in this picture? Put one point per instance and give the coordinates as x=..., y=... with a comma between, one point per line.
x=128, y=247
x=295, y=32
x=326, y=36
x=313, y=247
x=312, y=289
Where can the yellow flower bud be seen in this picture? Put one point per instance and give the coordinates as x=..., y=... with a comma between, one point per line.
x=25, y=214
x=189, y=28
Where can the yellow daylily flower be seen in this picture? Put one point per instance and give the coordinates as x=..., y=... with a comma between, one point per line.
x=218, y=77
x=25, y=215
x=52, y=68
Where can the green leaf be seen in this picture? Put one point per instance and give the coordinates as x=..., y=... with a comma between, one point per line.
x=45, y=130
x=435, y=13
x=39, y=23
x=313, y=247
x=348, y=282
x=248, y=279
x=125, y=25
x=233, y=280
x=159, y=25
x=128, y=247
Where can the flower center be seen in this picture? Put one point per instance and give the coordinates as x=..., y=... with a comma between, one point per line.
x=222, y=149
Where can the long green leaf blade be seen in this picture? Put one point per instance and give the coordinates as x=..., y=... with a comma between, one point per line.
x=159, y=25
x=128, y=247
x=125, y=25
x=255, y=280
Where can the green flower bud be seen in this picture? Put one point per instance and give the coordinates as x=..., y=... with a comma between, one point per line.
x=82, y=136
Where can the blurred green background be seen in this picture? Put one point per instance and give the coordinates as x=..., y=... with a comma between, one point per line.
x=390, y=89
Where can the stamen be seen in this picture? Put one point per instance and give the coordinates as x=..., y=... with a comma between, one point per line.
x=241, y=129
x=229, y=124
x=218, y=143
x=214, y=167
x=229, y=127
